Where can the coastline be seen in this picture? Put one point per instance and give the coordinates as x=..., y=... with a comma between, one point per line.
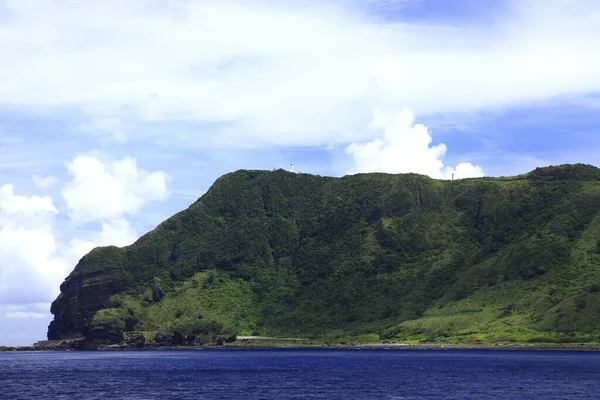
x=338, y=346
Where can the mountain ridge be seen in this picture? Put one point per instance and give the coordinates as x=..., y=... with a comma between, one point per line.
x=394, y=256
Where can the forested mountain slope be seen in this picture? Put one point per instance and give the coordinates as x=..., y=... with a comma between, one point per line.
x=399, y=257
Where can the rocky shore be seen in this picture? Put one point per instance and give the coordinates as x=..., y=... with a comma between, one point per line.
x=240, y=345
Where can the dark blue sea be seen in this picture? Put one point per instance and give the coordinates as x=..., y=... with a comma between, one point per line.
x=299, y=374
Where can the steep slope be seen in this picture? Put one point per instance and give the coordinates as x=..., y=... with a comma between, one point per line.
x=403, y=256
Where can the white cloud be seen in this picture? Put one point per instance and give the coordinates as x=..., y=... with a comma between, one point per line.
x=44, y=182
x=11, y=204
x=114, y=233
x=464, y=170
x=117, y=233
x=38, y=248
x=107, y=191
x=402, y=146
x=28, y=250
x=76, y=248
x=284, y=73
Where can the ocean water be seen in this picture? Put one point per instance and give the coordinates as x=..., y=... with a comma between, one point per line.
x=299, y=374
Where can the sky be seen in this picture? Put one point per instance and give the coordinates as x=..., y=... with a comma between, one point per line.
x=115, y=115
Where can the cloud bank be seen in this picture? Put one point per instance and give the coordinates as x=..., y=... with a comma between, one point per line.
x=99, y=191
x=264, y=73
x=403, y=146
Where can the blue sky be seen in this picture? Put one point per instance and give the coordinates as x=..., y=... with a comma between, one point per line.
x=115, y=115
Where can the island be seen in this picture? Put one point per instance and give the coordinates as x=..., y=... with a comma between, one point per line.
x=374, y=259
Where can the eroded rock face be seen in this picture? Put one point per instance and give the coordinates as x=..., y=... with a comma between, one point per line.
x=86, y=291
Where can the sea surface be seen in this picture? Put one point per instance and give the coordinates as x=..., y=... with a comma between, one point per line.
x=299, y=374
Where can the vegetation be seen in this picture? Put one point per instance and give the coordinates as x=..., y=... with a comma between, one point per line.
x=367, y=257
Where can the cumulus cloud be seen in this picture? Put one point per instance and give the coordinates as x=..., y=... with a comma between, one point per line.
x=104, y=191
x=464, y=170
x=402, y=146
x=15, y=205
x=268, y=73
x=118, y=232
x=39, y=247
x=28, y=249
x=113, y=233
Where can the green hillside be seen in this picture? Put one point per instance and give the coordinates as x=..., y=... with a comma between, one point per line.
x=366, y=257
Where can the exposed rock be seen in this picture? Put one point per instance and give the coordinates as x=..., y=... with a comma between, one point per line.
x=190, y=339
x=178, y=339
x=137, y=340
x=96, y=277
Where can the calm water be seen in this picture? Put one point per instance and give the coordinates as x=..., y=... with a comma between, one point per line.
x=334, y=374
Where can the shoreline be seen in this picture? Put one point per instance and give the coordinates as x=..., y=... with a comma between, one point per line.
x=296, y=346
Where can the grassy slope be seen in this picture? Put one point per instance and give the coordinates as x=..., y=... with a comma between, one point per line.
x=395, y=257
